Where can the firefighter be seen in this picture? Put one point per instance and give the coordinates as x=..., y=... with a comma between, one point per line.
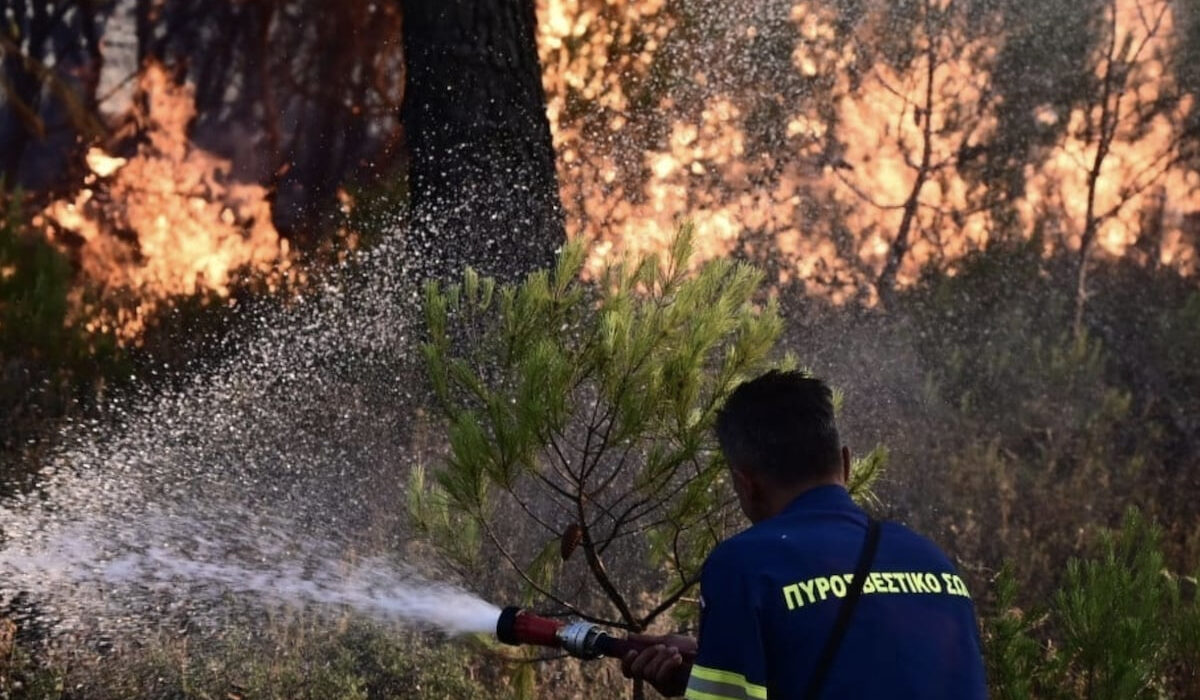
x=815, y=598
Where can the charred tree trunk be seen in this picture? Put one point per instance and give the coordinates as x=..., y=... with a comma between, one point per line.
x=483, y=185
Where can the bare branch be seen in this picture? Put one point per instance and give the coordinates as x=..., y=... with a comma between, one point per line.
x=669, y=601
x=861, y=194
x=528, y=511
x=900, y=245
x=1108, y=122
x=512, y=562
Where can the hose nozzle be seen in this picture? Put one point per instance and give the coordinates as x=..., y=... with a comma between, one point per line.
x=582, y=640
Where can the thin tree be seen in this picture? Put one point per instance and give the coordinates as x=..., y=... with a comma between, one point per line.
x=582, y=456
x=923, y=168
x=1116, y=114
x=936, y=73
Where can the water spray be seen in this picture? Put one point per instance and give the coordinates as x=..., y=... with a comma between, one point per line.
x=583, y=640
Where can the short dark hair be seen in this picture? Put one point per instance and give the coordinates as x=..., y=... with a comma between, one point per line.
x=781, y=425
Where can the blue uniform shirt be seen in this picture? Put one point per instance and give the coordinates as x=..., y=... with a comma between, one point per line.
x=770, y=595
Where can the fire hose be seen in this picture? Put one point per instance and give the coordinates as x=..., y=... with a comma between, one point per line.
x=582, y=640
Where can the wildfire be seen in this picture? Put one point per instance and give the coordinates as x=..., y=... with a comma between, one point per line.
x=167, y=220
x=758, y=120
x=826, y=195
x=1141, y=194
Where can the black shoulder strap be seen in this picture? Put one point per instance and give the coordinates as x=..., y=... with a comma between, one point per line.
x=842, y=623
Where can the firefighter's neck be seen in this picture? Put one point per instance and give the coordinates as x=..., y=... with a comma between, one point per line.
x=762, y=497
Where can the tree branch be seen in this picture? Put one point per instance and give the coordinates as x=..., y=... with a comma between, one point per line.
x=1107, y=132
x=512, y=562
x=596, y=565
x=887, y=277
x=669, y=601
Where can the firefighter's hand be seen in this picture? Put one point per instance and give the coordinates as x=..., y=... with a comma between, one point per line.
x=661, y=663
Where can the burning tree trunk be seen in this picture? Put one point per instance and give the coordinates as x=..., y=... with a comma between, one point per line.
x=483, y=185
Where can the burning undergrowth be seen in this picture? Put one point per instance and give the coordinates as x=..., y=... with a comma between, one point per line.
x=158, y=217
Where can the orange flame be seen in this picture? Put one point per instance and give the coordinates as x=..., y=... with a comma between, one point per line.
x=1138, y=176
x=166, y=221
x=829, y=214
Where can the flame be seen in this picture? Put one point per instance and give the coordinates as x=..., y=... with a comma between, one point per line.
x=168, y=220
x=103, y=164
x=826, y=201
x=885, y=125
x=1137, y=174
x=637, y=152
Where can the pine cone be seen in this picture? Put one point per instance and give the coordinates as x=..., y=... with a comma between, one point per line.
x=571, y=538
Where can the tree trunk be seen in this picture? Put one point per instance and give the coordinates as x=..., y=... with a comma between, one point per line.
x=1110, y=117
x=483, y=186
x=145, y=19
x=20, y=120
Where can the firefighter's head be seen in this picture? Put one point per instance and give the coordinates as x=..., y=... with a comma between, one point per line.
x=779, y=436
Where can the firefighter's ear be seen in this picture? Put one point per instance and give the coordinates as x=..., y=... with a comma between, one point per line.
x=748, y=490
x=845, y=464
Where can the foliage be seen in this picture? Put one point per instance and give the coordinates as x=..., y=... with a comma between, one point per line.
x=865, y=472
x=585, y=413
x=1117, y=614
x=33, y=288
x=22, y=676
x=291, y=657
x=1016, y=663
x=47, y=358
x=1118, y=619
x=1187, y=627
x=1026, y=415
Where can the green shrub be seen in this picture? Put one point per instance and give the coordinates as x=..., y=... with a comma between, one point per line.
x=49, y=361
x=580, y=424
x=1117, y=627
x=1039, y=431
x=1017, y=663
x=1117, y=614
x=587, y=410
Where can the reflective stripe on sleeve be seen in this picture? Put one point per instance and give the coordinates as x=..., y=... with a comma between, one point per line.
x=714, y=684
